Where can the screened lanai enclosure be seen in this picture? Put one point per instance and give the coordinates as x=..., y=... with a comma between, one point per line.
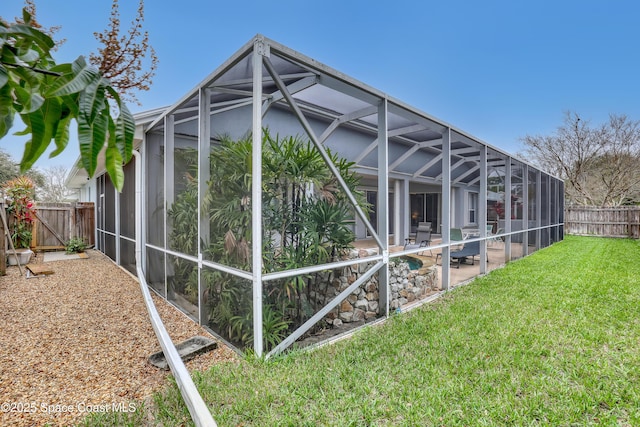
x=278, y=197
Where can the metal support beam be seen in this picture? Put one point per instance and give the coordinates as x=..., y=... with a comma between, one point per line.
x=405, y=130
x=400, y=110
x=327, y=160
x=467, y=173
x=434, y=161
x=538, y=208
x=390, y=134
x=507, y=209
x=398, y=212
x=346, y=118
x=297, y=86
x=525, y=209
x=446, y=208
x=383, y=207
x=366, y=151
x=549, y=222
x=406, y=210
x=326, y=309
x=198, y=409
x=116, y=203
x=260, y=49
x=204, y=138
x=169, y=142
x=482, y=209
x=460, y=151
x=455, y=166
x=412, y=150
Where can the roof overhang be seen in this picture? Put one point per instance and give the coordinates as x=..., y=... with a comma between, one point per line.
x=78, y=176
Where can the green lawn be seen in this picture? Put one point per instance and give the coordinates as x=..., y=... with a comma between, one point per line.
x=552, y=339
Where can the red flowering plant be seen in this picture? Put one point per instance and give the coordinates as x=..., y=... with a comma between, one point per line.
x=20, y=192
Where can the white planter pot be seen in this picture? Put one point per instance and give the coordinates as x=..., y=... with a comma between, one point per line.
x=22, y=255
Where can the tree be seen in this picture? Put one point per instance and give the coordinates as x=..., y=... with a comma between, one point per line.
x=598, y=163
x=10, y=169
x=53, y=188
x=121, y=58
x=48, y=96
x=30, y=6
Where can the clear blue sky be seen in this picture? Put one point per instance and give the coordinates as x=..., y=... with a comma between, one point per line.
x=498, y=69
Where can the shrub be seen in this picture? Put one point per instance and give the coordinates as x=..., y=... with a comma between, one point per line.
x=20, y=192
x=75, y=245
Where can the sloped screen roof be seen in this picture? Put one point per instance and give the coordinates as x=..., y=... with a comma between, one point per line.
x=415, y=138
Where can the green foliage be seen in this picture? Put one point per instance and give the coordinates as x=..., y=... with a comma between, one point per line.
x=552, y=339
x=10, y=169
x=75, y=245
x=306, y=221
x=275, y=326
x=48, y=96
x=183, y=225
x=20, y=192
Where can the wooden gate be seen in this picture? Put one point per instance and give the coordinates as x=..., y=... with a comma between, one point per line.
x=57, y=223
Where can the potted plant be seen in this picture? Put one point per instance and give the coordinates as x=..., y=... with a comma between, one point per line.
x=20, y=192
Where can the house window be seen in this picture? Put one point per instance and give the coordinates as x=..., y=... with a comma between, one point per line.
x=472, y=208
x=372, y=199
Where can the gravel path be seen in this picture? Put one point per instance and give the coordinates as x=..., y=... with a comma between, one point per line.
x=79, y=339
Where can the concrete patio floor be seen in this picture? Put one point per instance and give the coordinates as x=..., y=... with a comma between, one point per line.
x=495, y=253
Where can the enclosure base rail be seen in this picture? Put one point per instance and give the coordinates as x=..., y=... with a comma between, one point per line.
x=198, y=410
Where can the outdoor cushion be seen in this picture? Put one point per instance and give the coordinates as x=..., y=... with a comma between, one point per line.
x=470, y=249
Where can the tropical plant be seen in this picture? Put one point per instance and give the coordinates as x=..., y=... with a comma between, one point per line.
x=183, y=225
x=274, y=326
x=48, y=96
x=306, y=221
x=20, y=193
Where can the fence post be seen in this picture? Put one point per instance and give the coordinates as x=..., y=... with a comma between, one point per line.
x=73, y=208
x=34, y=234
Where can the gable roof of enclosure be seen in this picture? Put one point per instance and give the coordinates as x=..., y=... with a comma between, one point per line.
x=415, y=138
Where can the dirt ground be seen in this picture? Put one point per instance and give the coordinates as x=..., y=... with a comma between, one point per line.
x=78, y=340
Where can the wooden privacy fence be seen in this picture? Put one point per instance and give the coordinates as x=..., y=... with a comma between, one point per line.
x=57, y=223
x=622, y=221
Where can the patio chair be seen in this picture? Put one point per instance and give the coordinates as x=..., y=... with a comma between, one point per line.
x=490, y=233
x=425, y=225
x=422, y=240
x=456, y=235
x=470, y=249
x=495, y=238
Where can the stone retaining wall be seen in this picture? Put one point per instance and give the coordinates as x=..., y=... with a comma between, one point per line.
x=406, y=286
